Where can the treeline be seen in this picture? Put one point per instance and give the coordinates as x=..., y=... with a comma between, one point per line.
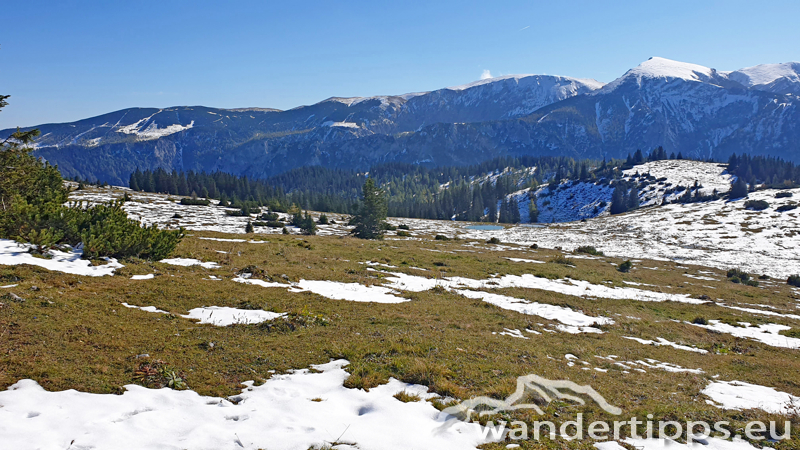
x=479, y=192
x=773, y=172
x=473, y=193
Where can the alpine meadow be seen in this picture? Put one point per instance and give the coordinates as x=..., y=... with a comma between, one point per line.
x=523, y=261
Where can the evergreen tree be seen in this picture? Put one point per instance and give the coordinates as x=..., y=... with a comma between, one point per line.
x=134, y=182
x=307, y=225
x=638, y=157
x=369, y=221
x=533, y=211
x=584, y=172
x=514, y=206
x=738, y=189
x=633, y=199
x=619, y=203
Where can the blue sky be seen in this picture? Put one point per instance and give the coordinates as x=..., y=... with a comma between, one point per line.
x=68, y=60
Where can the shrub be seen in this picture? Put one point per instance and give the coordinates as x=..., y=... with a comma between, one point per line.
x=560, y=259
x=294, y=320
x=700, y=320
x=269, y=217
x=535, y=246
x=738, y=189
x=323, y=219
x=239, y=213
x=785, y=208
x=625, y=267
x=793, y=280
x=106, y=230
x=403, y=226
x=493, y=240
x=589, y=250
x=285, y=230
x=307, y=225
x=271, y=224
x=403, y=233
x=157, y=374
x=441, y=237
x=249, y=227
x=740, y=276
x=757, y=205
x=783, y=194
x=195, y=201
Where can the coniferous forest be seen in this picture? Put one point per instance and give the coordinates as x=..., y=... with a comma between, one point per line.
x=470, y=193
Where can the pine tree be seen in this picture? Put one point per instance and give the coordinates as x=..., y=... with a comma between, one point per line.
x=134, y=183
x=533, y=211
x=307, y=225
x=633, y=199
x=584, y=172
x=619, y=202
x=369, y=221
x=249, y=227
x=638, y=158
x=738, y=189
x=514, y=206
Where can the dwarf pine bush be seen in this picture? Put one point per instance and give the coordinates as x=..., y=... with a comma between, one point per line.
x=32, y=198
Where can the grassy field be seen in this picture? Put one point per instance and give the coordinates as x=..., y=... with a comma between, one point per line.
x=72, y=332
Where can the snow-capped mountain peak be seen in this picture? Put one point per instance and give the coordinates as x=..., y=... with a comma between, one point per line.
x=664, y=69
x=776, y=78
x=656, y=67
x=588, y=82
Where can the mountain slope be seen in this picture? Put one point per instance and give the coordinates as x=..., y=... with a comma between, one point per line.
x=686, y=108
x=776, y=78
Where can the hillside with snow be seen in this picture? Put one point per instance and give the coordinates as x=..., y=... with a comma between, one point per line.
x=658, y=182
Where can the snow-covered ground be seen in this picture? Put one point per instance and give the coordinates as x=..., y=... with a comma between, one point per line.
x=721, y=234
x=223, y=316
x=741, y=395
x=187, y=262
x=300, y=410
x=573, y=200
x=767, y=333
x=12, y=254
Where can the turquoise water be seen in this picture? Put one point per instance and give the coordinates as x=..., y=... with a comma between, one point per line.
x=484, y=227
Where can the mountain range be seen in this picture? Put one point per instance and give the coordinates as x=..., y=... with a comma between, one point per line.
x=686, y=108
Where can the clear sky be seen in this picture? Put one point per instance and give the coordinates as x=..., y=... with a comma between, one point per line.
x=64, y=60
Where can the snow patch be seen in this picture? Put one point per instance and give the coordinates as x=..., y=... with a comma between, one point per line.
x=13, y=253
x=741, y=395
x=187, y=262
x=278, y=414
x=223, y=316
